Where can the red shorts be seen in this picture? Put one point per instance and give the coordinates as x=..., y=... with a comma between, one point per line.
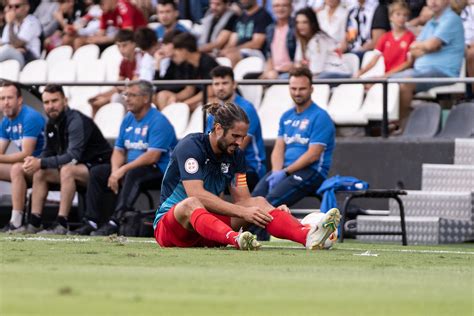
x=170, y=233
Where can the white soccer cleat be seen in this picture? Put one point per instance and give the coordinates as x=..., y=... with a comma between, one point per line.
x=318, y=234
x=247, y=241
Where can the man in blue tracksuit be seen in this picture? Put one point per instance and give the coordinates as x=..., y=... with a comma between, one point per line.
x=223, y=86
x=302, y=154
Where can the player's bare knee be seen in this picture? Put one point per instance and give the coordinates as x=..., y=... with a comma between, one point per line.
x=17, y=171
x=192, y=203
x=67, y=172
x=261, y=202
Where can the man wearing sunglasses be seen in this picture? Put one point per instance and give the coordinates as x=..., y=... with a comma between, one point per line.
x=21, y=35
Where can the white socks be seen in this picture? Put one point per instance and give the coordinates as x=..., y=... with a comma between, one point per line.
x=16, y=218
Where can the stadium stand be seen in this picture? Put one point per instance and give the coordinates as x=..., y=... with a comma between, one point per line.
x=178, y=115
x=107, y=117
x=424, y=121
x=10, y=69
x=460, y=122
x=58, y=54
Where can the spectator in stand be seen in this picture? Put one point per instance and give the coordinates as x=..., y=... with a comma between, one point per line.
x=438, y=52
x=117, y=15
x=145, y=39
x=147, y=7
x=199, y=66
x=167, y=11
x=316, y=50
x=216, y=27
x=23, y=126
x=248, y=37
x=21, y=34
x=333, y=19
x=89, y=24
x=393, y=46
x=167, y=69
x=65, y=16
x=128, y=70
x=366, y=23
x=280, y=42
x=224, y=88
x=74, y=144
x=301, y=4
x=45, y=15
x=192, y=9
x=467, y=16
x=141, y=154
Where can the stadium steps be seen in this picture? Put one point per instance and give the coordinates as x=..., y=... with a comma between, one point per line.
x=442, y=212
x=425, y=230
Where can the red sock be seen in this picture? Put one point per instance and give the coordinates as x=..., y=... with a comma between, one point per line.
x=285, y=226
x=212, y=228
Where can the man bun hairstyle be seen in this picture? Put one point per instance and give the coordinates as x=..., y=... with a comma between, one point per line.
x=226, y=115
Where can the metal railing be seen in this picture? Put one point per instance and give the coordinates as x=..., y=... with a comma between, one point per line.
x=204, y=83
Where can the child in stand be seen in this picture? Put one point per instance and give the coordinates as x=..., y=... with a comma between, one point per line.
x=394, y=45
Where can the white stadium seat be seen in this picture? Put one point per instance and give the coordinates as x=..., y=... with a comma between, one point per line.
x=378, y=70
x=345, y=103
x=178, y=115
x=58, y=54
x=196, y=124
x=34, y=71
x=352, y=61
x=276, y=101
x=372, y=107
x=224, y=61
x=10, y=70
x=112, y=58
x=247, y=65
x=320, y=95
x=84, y=54
x=62, y=71
x=108, y=118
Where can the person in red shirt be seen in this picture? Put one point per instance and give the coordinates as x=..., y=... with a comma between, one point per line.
x=117, y=15
x=394, y=45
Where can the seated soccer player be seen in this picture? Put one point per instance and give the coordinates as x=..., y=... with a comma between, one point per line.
x=192, y=213
x=23, y=126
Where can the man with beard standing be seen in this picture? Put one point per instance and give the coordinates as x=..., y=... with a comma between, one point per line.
x=74, y=144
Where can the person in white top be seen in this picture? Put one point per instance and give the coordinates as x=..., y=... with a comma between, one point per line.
x=333, y=19
x=316, y=50
x=21, y=35
x=467, y=16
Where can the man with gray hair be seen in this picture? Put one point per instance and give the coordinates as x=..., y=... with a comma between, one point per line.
x=139, y=159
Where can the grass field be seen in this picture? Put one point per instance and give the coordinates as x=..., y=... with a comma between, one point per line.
x=107, y=276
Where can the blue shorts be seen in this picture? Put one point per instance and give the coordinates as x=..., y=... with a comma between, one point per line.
x=425, y=86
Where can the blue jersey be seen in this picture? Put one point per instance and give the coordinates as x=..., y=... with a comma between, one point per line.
x=29, y=123
x=313, y=126
x=255, y=150
x=193, y=159
x=152, y=132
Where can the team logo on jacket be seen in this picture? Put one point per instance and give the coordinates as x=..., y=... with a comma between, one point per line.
x=191, y=165
x=225, y=167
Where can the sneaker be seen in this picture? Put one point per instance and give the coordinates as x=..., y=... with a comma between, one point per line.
x=318, y=234
x=30, y=229
x=56, y=229
x=84, y=230
x=7, y=228
x=106, y=230
x=247, y=241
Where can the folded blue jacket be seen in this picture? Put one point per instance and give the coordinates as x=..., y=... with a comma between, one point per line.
x=338, y=183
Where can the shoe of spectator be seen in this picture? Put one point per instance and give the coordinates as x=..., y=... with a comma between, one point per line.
x=84, y=230
x=318, y=234
x=6, y=228
x=56, y=229
x=106, y=230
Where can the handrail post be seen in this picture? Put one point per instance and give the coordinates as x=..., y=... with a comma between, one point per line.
x=385, y=110
x=204, y=101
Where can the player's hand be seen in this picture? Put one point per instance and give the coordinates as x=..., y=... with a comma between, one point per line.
x=257, y=216
x=114, y=180
x=31, y=165
x=284, y=208
x=274, y=178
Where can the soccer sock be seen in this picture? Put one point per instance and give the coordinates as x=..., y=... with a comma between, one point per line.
x=285, y=226
x=212, y=228
x=62, y=221
x=35, y=220
x=16, y=218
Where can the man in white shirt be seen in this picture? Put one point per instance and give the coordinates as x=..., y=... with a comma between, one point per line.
x=21, y=35
x=333, y=19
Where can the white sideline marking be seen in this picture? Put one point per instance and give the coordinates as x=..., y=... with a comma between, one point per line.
x=85, y=239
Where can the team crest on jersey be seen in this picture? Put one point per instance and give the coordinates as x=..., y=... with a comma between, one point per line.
x=225, y=167
x=191, y=165
x=144, y=130
x=304, y=124
x=403, y=44
x=20, y=128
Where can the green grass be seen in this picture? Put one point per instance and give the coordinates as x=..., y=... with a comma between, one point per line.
x=109, y=277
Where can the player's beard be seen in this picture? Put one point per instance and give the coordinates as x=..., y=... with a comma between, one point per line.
x=224, y=146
